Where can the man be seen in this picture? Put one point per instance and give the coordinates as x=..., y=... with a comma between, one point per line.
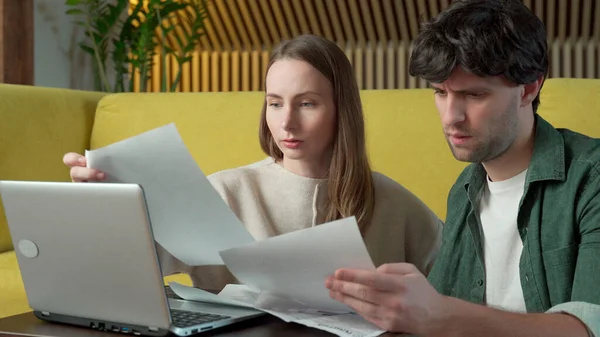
x=521, y=243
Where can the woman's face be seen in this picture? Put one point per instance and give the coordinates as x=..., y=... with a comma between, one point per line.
x=301, y=113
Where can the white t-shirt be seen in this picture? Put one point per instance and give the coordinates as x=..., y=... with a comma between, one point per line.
x=502, y=245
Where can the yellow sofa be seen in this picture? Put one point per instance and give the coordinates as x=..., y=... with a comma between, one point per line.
x=38, y=125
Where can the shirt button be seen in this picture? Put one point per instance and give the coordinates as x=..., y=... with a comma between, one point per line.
x=480, y=282
x=526, y=278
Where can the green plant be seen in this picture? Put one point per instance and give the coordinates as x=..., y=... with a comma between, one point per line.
x=127, y=41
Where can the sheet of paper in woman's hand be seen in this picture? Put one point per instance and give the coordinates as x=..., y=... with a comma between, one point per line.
x=189, y=218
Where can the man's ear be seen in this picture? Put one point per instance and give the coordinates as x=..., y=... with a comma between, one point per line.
x=531, y=91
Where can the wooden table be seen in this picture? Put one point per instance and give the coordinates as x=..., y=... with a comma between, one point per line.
x=29, y=325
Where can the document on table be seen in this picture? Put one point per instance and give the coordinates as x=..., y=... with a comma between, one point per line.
x=189, y=218
x=295, y=265
x=345, y=324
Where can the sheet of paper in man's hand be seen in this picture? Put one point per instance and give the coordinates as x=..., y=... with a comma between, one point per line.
x=293, y=267
x=189, y=217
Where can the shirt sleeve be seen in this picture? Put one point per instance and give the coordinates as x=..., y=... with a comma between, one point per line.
x=587, y=313
x=585, y=296
x=587, y=269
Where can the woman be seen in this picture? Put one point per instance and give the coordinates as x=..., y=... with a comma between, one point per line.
x=317, y=170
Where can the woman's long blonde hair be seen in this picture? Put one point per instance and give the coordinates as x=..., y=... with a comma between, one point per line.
x=350, y=181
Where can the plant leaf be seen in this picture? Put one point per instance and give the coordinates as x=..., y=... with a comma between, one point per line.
x=86, y=48
x=74, y=11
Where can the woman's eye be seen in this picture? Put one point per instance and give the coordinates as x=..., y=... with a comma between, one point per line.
x=275, y=104
x=307, y=104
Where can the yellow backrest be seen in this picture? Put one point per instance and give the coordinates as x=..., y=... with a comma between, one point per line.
x=404, y=134
x=37, y=126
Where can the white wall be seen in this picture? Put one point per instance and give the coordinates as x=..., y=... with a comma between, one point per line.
x=58, y=60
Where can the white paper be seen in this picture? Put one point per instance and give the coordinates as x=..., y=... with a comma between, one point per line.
x=199, y=295
x=189, y=218
x=347, y=325
x=293, y=267
x=240, y=293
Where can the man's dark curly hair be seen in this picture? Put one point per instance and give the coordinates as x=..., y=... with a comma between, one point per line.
x=484, y=37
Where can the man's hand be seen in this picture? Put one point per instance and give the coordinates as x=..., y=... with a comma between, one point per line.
x=395, y=297
x=398, y=298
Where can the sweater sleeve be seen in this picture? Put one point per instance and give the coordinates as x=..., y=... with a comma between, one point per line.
x=423, y=234
x=428, y=256
x=405, y=224
x=425, y=242
x=218, y=183
x=587, y=313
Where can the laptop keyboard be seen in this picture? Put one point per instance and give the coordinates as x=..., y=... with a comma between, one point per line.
x=171, y=293
x=184, y=319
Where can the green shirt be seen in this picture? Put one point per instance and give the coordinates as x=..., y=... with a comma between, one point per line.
x=558, y=221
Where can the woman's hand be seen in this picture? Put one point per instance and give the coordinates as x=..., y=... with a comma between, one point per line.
x=79, y=172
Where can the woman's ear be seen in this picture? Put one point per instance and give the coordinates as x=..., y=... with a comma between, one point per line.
x=531, y=90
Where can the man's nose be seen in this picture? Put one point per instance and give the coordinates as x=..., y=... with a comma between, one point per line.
x=453, y=110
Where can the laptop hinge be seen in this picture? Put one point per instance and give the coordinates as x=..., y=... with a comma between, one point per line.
x=153, y=329
x=45, y=313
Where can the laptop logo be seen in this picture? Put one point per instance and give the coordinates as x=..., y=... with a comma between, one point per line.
x=28, y=248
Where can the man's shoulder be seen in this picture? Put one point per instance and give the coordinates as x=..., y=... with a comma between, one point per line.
x=581, y=149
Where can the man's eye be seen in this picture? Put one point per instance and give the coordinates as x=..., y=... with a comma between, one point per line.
x=475, y=94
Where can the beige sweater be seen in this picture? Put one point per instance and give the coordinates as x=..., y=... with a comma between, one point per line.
x=270, y=200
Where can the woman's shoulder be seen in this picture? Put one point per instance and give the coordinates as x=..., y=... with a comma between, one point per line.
x=387, y=187
x=242, y=172
x=252, y=167
x=394, y=195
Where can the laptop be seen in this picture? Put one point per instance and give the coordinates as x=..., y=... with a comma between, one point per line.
x=88, y=258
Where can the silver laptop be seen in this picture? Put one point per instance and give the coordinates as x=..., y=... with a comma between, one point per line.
x=88, y=257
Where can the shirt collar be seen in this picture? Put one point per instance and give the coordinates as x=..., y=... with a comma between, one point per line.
x=547, y=162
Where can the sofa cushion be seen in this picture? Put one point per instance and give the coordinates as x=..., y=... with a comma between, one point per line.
x=12, y=292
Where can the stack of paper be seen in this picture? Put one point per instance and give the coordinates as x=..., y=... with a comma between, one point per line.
x=283, y=275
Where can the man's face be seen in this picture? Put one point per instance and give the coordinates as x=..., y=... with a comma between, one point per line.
x=480, y=116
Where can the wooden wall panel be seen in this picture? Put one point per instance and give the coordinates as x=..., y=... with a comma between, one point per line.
x=376, y=35
x=16, y=41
